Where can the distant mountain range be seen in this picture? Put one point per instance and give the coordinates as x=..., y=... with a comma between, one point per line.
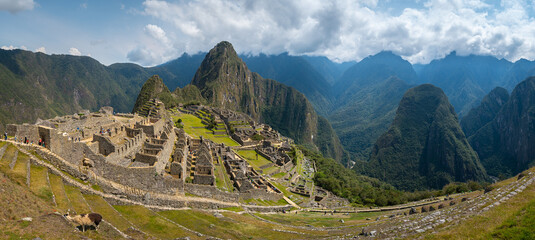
x=359, y=99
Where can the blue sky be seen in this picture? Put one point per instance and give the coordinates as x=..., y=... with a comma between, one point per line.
x=152, y=32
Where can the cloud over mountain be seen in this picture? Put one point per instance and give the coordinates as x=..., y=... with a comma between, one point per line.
x=342, y=29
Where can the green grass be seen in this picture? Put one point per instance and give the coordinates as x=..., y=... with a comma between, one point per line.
x=519, y=226
x=232, y=226
x=20, y=169
x=317, y=219
x=150, y=222
x=279, y=175
x=56, y=184
x=250, y=156
x=234, y=209
x=77, y=200
x=7, y=158
x=223, y=181
x=296, y=198
x=39, y=183
x=194, y=127
x=98, y=204
x=506, y=221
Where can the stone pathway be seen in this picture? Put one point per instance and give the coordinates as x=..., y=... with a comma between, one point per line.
x=405, y=226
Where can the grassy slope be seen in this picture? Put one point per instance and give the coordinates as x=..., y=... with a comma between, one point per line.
x=513, y=219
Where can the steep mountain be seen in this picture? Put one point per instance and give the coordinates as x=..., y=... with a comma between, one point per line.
x=296, y=72
x=154, y=88
x=506, y=145
x=368, y=95
x=224, y=80
x=465, y=79
x=518, y=72
x=331, y=71
x=425, y=146
x=36, y=85
x=373, y=69
x=485, y=112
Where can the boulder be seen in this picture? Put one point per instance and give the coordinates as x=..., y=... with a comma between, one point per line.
x=425, y=209
x=412, y=211
x=441, y=206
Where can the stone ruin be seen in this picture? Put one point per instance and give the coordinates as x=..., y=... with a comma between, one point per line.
x=144, y=153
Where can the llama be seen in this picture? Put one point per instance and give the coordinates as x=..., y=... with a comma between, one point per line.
x=91, y=219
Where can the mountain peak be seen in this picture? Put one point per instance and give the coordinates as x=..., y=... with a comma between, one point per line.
x=424, y=145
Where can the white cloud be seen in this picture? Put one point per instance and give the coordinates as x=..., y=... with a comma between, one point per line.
x=75, y=52
x=156, y=47
x=14, y=6
x=344, y=29
x=41, y=50
x=11, y=47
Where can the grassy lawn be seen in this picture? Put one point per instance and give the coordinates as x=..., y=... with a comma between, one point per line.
x=77, y=200
x=232, y=226
x=7, y=158
x=20, y=169
x=250, y=156
x=279, y=175
x=98, y=204
x=39, y=183
x=150, y=222
x=223, y=181
x=194, y=127
x=56, y=184
x=319, y=219
x=506, y=221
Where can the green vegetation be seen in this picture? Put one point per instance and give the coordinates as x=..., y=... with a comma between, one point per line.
x=150, y=222
x=502, y=144
x=154, y=88
x=56, y=185
x=256, y=160
x=513, y=219
x=194, y=127
x=518, y=226
x=223, y=181
x=77, y=200
x=39, y=183
x=99, y=205
x=425, y=146
x=318, y=219
x=261, y=202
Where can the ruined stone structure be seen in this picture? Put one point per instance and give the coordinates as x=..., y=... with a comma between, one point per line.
x=127, y=154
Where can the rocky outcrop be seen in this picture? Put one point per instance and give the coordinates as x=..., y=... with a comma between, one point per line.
x=485, y=112
x=506, y=145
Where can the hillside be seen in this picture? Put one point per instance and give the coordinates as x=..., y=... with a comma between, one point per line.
x=425, y=146
x=506, y=145
x=465, y=79
x=296, y=72
x=485, y=112
x=41, y=86
x=224, y=80
x=368, y=95
x=153, y=88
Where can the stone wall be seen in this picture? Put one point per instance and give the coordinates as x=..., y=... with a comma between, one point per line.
x=210, y=192
x=25, y=130
x=105, y=146
x=258, y=193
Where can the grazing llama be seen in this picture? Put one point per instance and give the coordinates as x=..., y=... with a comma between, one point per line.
x=91, y=219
